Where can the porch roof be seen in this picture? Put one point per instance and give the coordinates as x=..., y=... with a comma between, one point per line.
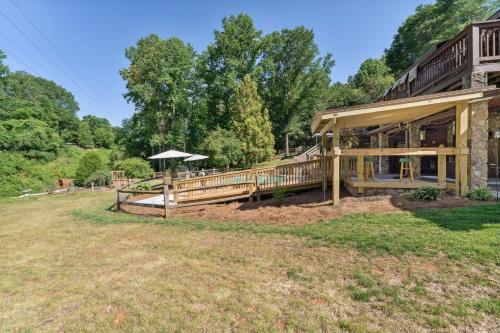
x=395, y=111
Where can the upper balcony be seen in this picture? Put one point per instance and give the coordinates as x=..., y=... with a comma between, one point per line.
x=474, y=49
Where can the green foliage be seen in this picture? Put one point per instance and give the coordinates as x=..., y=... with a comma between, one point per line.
x=142, y=187
x=32, y=137
x=279, y=195
x=101, y=133
x=425, y=193
x=134, y=167
x=481, y=194
x=231, y=57
x=223, y=147
x=374, y=77
x=3, y=68
x=158, y=80
x=85, y=138
x=250, y=122
x=89, y=163
x=99, y=178
x=433, y=23
x=294, y=82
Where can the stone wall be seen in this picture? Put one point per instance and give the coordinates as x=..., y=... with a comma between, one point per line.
x=414, y=128
x=478, y=144
x=493, y=148
x=380, y=140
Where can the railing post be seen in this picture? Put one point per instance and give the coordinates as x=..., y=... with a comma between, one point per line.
x=166, y=201
x=257, y=186
x=117, y=200
x=360, y=169
x=475, y=44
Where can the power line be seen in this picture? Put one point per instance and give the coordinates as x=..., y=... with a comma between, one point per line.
x=50, y=59
x=16, y=46
x=55, y=48
x=20, y=60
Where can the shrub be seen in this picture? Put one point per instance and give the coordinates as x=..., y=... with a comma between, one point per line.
x=425, y=193
x=134, y=167
x=279, y=195
x=87, y=165
x=142, y=187
x=481, y=194
x=99, y=178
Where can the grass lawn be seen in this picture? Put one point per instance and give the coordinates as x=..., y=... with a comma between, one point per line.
x=67, y=264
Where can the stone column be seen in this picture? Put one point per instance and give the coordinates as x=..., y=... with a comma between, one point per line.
x=479, y=144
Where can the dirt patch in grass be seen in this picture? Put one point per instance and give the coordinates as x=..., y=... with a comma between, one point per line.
x=302, y=208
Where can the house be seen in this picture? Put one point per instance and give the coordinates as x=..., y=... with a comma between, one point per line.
x=470, y=60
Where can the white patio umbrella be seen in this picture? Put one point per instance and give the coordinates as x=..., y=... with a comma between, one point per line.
x=170, y=154
x=195, y=157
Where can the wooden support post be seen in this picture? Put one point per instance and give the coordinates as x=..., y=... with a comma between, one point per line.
x=336, y=166
x=251, y=191
x=166, y=200
x=117, y=209
x=441, y=168
x=360, y=169
x=461, y=159
x=257, y=189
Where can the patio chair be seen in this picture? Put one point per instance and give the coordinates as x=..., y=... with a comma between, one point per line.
x=352, y=166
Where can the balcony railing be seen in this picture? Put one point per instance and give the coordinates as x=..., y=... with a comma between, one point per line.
x=477, y=44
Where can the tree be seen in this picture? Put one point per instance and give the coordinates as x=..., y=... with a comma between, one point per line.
x=431, y=24
x=223, y=147
x=85, y=138
x=374, y=77
x=89, y=163
x=158, y=80
x=225, y=63
x=250, y=123
x=3, y=68
x=101, y=130
x=295, y=80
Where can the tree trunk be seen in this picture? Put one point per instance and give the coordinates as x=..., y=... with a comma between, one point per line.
x=287, y=147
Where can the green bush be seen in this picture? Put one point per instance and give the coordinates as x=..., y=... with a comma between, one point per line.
x=89, y=163
x=142, y=187
x=99, y=178
x=481, y=194
x=134, y=167
x=279, y=195
x=425, y=193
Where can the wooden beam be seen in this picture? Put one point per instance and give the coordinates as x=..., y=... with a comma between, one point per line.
x=327, y=127
x=336, y=166
x=428, y=151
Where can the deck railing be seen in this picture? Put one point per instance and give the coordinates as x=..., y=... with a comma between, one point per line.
x=251, y=181
x=477, y=44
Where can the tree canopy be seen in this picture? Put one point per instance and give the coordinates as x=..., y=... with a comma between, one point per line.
x=433, y=23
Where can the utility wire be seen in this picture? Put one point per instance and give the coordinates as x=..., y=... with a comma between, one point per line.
x=16, y=46
x=50, y=59
x=92, y=89
x=10, y=54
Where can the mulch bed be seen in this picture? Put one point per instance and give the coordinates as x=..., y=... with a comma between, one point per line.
x=303, y=208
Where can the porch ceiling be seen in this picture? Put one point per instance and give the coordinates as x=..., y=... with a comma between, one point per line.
x=396, y=111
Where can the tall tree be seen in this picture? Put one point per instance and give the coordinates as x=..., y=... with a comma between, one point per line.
x=3, y=68
x=250, y=123
x=225, y=63
x=295, y=80
x=373, y=77
x=433, y=23
x=158, y=80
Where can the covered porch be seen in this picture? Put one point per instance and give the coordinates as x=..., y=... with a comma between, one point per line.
x=355, y=168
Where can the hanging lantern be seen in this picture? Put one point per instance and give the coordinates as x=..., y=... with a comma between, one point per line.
x=497, y=133
x=422, y=135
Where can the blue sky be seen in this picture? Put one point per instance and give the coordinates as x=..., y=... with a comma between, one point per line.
x=91, y=36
